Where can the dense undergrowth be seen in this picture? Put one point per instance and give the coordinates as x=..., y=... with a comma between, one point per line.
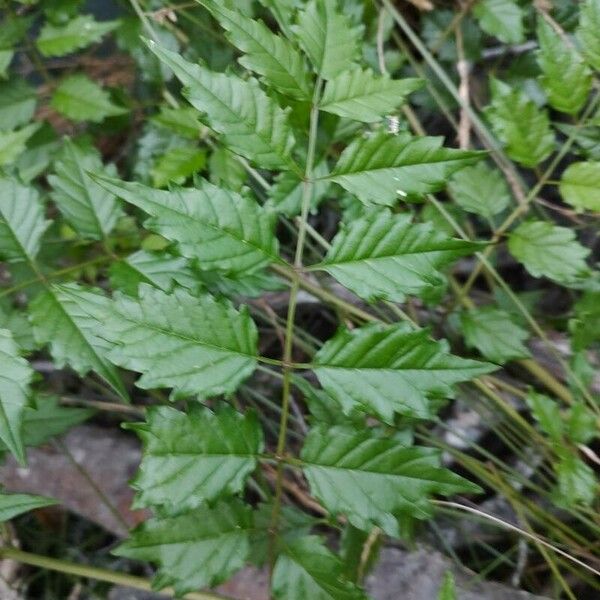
x=341, y=257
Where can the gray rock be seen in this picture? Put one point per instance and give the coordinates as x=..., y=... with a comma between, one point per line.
x=417, y=575
x=95, y=457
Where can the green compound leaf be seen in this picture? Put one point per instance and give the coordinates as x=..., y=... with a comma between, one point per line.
x=306, y=568
x=373, y=479
x=15, y=377
x=383, y=370
x=481, y=190
x=521, y=126
x=22, y=222
x=266, y=53
x=12, y=505
x=195, y=550
x=580, y=185
x=81, y=99
x=83, y=30
x=566, y=79
x=222, y=229
x=587, y=32
x=383, y=167
x=90, y=209
x=494, y=334
x=360, y=95
x=328, y=37
x=196, y=345
x=252, y=124
x=66, y=317
x=548, y=250
x=195, y=457
x=501, y=18
x=386, y=256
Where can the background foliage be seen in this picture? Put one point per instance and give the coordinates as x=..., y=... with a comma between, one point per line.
x=178, y=179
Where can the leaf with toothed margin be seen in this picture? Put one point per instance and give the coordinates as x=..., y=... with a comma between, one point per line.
x=380, y=168
x=548, y=250
x=12, y=505
x=196, y=345
x=15, y=377
x=580, y=185
x=328, y=37
x=224, y=230
x=566, y=79
x=383, y=370
x=494, y=334
x=371, y=479
x=265, y=52
x=198, y=549
x=89, y=208
x=196, y=457
x=358, y=94
x=480, y=189
x=13, y=143
x=68, y=318
x=83, y=30
x=522, y=126
x=501, y=18
x=22, y=222
x=252, y=124
x=79, y=98
x=386, y=256
x=306, y=568
x=587, y=32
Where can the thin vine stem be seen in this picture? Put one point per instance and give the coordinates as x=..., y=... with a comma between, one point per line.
x=89, y=572
x=291, y=315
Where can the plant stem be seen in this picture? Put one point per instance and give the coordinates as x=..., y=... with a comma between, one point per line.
x=323, y=294
x=291, y=316
x=63, y=566
x=144, y=19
